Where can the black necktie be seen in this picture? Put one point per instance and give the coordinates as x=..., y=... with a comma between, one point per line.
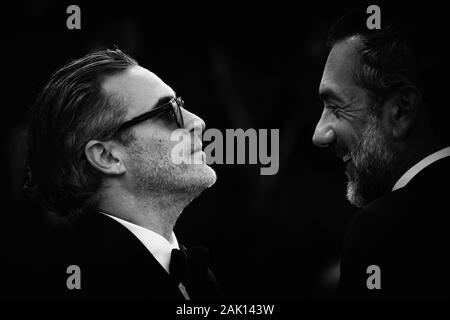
x=178, y=267
x=191, y=268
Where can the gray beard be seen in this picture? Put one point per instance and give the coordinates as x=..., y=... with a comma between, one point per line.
x=374, y=162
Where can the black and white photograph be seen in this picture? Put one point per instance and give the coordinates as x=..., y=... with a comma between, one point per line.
x=225, y=159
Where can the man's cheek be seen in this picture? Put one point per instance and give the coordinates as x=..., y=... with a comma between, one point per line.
x=180, y=147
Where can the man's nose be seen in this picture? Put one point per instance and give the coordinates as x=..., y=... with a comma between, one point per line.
x=192, y=122
x=324, y=133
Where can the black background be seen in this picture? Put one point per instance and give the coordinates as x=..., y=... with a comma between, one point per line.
x=236, y=65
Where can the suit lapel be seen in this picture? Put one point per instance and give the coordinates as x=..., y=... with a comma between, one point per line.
x=118, y=264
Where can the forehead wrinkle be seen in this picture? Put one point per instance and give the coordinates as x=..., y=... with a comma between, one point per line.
x=339, y=72
x=330, y=92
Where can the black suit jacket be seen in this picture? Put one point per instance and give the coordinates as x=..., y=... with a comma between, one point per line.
x=114, y=264
x=407, y=234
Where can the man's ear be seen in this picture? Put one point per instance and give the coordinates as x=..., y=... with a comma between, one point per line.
x=402, y=111
x=105, y=157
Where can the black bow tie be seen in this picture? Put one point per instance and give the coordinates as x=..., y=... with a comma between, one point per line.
x=188, y=265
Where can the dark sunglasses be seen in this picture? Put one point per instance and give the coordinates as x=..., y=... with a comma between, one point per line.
x=174, y=106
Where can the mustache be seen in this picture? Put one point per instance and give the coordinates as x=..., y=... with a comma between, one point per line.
x=339, y=149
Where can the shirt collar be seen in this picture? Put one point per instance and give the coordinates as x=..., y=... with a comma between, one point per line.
x=158, y=246
x=408, y=175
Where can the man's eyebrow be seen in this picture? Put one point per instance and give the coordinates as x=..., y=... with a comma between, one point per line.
x=328, y=94
x=162, y=100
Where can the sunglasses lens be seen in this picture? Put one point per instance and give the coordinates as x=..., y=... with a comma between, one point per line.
x=177, y=109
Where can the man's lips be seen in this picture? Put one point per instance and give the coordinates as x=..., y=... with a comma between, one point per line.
x=349, y=166
x=197, y=149
x=346, y=158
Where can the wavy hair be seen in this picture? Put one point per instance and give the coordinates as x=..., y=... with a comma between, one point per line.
x=69, y=111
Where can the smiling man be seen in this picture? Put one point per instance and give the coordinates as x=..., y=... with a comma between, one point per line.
x=100, y=149
x=376, y=118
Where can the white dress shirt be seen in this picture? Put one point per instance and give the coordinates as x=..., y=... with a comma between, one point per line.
x=408, y=175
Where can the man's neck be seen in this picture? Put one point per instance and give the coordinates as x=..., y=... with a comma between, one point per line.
x=157, y=213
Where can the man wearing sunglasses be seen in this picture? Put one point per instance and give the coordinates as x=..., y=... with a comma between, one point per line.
x=100, y=150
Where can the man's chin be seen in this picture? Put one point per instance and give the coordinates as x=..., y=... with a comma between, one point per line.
x=200, y=176
x=360, y=194
x=365, y=186
x=209, y=175
x=353, y=196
